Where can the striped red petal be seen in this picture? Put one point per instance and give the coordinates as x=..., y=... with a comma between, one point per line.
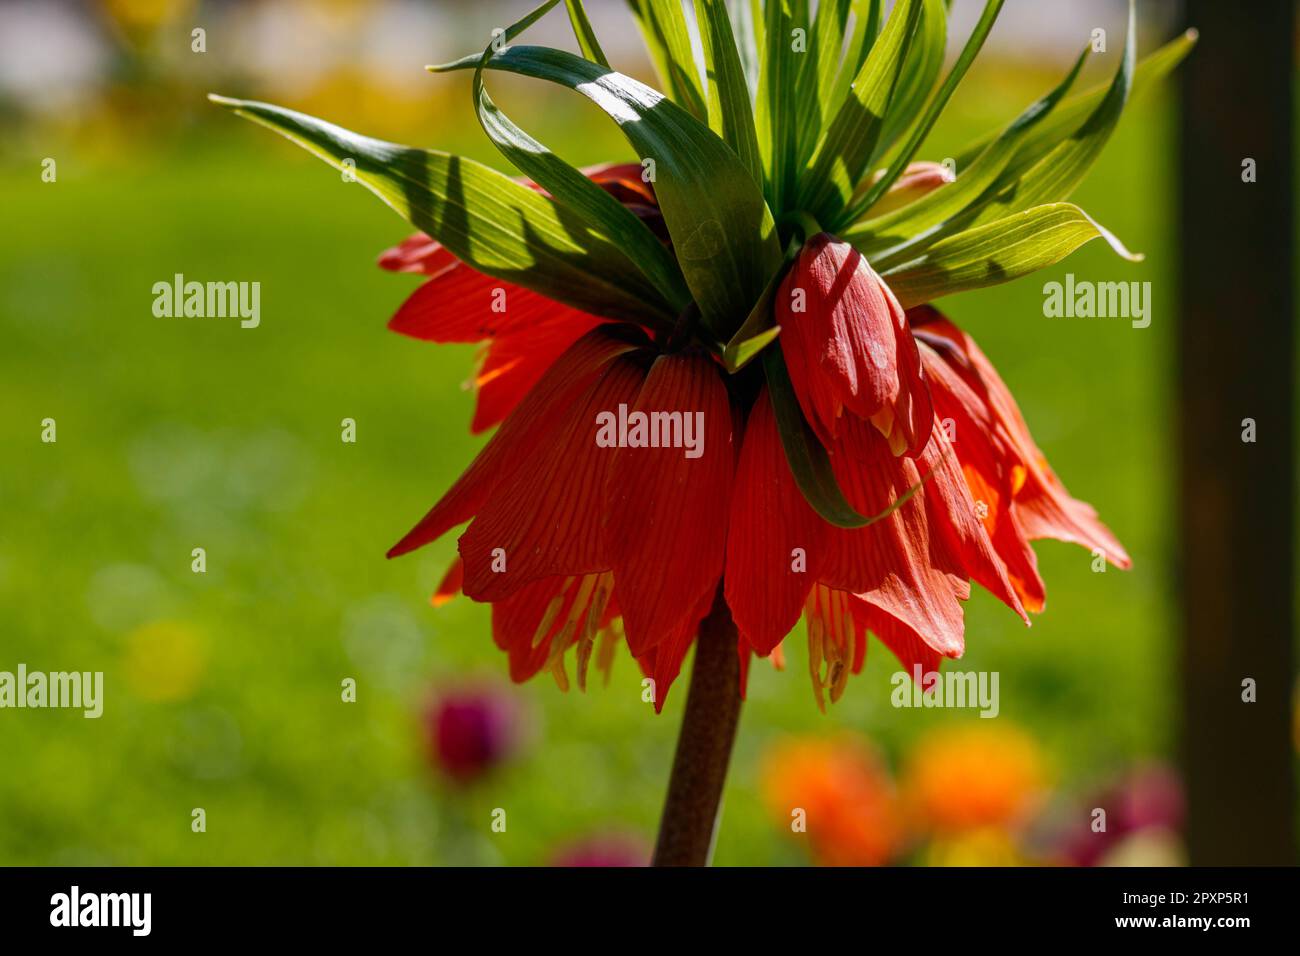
x=417, y=253
x=1043, y=506
x=542, y=620
x=544, y=517
x=667, y=513
x=524, y=430
x=462, y=305
x=662, y=663
x=900, y=564
x=990, y=466
x=513, y=364
x=952, y=512
x=450, y=584
x=903, y=642
x=776, y=543
x=525, y=331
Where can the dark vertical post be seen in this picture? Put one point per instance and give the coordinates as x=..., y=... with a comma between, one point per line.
x=1237, y=502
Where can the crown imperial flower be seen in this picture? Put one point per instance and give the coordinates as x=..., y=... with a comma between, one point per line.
x=766, y=269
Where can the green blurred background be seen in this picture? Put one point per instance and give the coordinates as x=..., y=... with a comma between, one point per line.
x=223, y=688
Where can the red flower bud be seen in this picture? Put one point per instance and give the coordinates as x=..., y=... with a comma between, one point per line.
x=848, y=346
x=917, y=180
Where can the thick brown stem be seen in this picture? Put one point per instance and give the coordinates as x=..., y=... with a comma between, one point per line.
x=692, y=808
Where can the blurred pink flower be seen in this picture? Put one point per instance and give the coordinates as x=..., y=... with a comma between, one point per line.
x=603, y=850
x=471, y=730
x=1147, y=800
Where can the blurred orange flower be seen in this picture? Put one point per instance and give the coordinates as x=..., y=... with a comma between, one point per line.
x=839, y=794
x=965, y=778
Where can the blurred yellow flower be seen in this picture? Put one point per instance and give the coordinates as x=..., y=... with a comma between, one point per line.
x=838, y=793
x=1154, y=846
x=136, y=14
x=164, y=660
x=983, y=846
x=965, y=778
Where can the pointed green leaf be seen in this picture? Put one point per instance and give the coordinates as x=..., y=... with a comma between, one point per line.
x=974, y=43
x=740, y=351
x=828, y=46
x=920, y=72
x=583, y=32
x=743, y=28
x=1054, y=177
x=663, y=24
x=723, y=234
x=782, y=96
x=997, y=252
x=867, y=15
x=850, y=142
x=731, y=114
x=809, y=463
x=1051, y=179
x=826, y=50
x=906, y=231
x=574, y=190
x=752, y=20
x=483, y=217
x=759, y=327
x=1151, y=70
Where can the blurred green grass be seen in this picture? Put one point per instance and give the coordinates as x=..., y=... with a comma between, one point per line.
x=223, y=689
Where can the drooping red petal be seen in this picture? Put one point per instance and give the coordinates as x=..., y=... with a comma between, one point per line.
x=525, y=332
x=662, y=663
x=952, y=512
x=459, y=304
x=624, y=181
x=850, y=347
x=989, y=462
x=1012, y=545
x=538, y=623
x=838, y=623
x=525, y=428
x=524, y=329
x=544, y=518
x=899, y=563
x=450, y=585
x=1041, y=502
x=667, y=513
x=776, y=543
x=417, y=253
x=513, y=364
x=903, y=642
x=515, y=624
